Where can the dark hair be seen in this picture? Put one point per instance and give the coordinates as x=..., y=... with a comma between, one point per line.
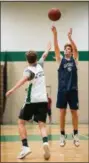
x=68, y=45
x=31, y=56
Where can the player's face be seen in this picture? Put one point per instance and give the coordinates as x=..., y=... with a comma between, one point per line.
x=67, y=51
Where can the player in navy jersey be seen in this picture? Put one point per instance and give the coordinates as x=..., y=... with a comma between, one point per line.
x=67, y=85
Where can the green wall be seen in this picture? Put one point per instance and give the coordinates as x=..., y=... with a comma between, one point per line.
x=20, y=56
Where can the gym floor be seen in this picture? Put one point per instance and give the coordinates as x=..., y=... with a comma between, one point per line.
x=11, y=144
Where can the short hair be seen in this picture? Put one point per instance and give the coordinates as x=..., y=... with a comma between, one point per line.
x=31, y=56
x=68, y=45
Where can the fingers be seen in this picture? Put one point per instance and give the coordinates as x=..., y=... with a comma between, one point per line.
x=53, y=27
x=8, y=93
x=54, y=30
x=70, y=31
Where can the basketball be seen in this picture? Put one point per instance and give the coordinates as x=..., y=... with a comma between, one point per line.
x=54, y=14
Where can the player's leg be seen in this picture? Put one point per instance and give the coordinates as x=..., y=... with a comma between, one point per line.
x=44, y=135
x=25, y=115
x=75, y=127
x=50, y=119
x=22, y=131
x=62, y=127
x=40, y=117
x=23, y=134
x=62, y=104
x=73, y=102
x=50, y=115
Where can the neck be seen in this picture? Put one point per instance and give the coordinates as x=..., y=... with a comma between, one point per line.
x=33, y=64
x=67, y=57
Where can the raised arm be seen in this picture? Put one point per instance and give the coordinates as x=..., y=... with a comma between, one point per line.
x=45, y=54
x=18, y=84
x=56, y=46
x=75, y=51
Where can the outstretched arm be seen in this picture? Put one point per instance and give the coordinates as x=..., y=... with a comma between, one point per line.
x=75, y=51
x=45, y=54
x=56, y=46
x=18, y=84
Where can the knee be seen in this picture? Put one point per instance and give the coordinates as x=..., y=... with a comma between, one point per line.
x=41, y=124
x=62, y=113
x=21, y=122
x=74, y=113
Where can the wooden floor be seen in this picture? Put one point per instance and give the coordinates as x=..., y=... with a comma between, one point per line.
x=11, y=144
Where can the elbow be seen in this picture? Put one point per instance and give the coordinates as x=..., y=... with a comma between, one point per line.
x=44, y=56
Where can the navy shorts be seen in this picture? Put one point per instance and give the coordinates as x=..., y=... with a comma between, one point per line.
x=70, y=97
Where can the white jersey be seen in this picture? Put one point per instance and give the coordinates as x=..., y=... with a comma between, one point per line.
x=37, y=87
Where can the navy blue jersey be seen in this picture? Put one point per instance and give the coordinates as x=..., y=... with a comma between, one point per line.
x=67, y=75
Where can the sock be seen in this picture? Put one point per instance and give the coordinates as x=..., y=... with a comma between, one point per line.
x=75, y=132
x=24, y=142
x=45, y=139
x=63, y=132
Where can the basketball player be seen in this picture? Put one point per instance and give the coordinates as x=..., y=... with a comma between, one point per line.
x=67, y=84
x=36, y=101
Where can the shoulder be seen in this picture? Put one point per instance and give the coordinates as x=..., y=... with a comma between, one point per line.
x=59, y=60
x=39, y=66
x=26, y=69
x=75, y=60
x=28, y=72
x=41, y=61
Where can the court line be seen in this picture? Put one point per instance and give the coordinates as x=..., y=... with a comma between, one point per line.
x=84, y=136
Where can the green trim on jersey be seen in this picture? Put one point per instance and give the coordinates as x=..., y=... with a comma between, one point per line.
x=28, y=99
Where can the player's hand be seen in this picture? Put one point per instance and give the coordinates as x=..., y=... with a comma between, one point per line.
x=70, y=33
x=9, y=92
x=54, y=30
x=49, y=46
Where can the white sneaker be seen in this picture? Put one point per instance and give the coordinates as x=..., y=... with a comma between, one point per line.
x=25, y=151
x=62, y=140
x=76, y=140
x=46, y=151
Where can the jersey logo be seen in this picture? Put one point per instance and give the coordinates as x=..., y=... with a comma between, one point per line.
x=69, y=69
x=68, y=66
x=39, y=74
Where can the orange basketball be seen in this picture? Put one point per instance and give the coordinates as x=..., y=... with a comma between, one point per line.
x=54, y=14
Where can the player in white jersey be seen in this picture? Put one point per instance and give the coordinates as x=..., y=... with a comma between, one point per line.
x=36, y=101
